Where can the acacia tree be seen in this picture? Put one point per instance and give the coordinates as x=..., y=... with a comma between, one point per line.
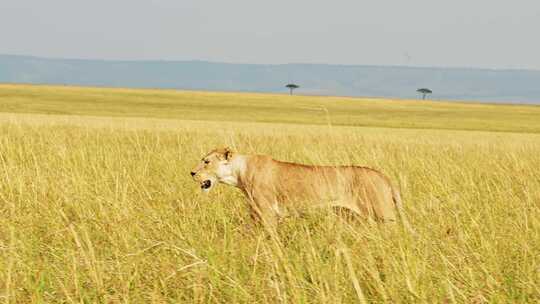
x=424, y=92
x=292, y=87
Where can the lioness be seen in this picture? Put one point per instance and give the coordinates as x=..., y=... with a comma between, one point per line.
x=273, y=186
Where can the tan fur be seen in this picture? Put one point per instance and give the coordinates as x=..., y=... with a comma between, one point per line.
x=274, y=187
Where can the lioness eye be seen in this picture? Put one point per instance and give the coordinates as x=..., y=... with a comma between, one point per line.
x=206, y=161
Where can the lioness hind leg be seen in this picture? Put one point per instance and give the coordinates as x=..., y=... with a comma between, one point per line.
x=385, y=208
x=377, y=204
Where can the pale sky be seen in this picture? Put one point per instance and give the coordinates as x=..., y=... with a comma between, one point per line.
x=452, y=33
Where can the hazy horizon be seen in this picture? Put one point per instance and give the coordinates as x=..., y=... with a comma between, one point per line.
x=482, y=34
x=270, y=64
x=468, y=84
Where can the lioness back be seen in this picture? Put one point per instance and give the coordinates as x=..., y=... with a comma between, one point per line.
x=360, y=189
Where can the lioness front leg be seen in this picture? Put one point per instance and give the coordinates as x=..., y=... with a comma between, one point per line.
x=262, y=210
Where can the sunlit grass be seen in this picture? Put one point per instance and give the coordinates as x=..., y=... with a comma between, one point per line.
x=101, y=209
x=250, y=107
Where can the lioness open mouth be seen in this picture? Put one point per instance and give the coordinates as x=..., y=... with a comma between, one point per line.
x=206, y=184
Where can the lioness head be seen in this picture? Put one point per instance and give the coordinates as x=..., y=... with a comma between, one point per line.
x=214, y=167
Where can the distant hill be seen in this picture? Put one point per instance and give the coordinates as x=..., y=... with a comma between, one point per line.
x=517, y=86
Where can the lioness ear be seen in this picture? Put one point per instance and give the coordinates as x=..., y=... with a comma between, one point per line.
x=227, y=152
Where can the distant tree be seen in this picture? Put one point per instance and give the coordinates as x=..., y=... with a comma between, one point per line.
x=424, y=92
x=292, y=87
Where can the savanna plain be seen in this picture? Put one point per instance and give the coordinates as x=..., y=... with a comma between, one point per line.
x=97, y=204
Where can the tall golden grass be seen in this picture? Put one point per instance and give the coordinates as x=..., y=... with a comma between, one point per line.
x=100, y=209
